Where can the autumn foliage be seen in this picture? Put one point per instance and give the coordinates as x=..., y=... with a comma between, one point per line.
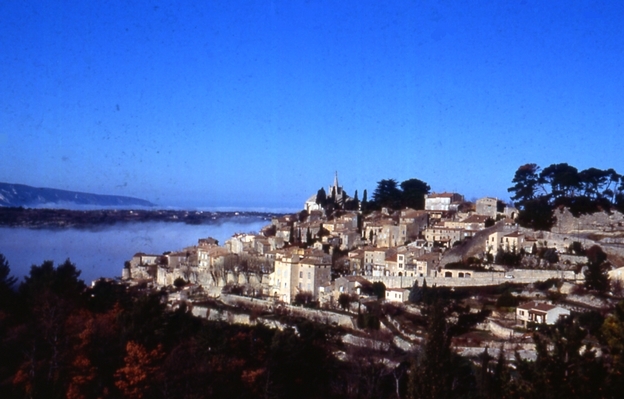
x=61, y=339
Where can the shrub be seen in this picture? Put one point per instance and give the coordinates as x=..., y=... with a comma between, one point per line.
x=546, y=285
x=507, y=300
x=179, y=282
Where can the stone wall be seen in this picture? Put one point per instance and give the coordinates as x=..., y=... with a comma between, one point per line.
x=599, y=221
x=525, y=276
x=318, y=315
x=502, y=332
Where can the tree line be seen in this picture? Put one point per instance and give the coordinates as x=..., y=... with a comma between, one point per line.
x=537, y=192
x=390, y=194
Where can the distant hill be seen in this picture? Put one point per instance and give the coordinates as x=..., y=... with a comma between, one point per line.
x=15, y=195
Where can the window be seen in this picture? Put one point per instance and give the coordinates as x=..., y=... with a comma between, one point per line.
x=300, y=274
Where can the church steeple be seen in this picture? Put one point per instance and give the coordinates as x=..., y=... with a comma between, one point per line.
x=336, y=181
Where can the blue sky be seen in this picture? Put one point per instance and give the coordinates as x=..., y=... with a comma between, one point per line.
x=258, y=103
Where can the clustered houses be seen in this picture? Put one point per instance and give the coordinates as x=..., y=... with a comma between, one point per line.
x=302, y=253
x=509, y=242
x=300, y=271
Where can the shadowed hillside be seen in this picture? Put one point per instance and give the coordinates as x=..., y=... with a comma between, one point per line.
x=472, y=247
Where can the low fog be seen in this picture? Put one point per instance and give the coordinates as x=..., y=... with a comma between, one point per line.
x=102, y=252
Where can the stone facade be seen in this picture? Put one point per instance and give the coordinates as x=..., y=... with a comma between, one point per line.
x=487, y=207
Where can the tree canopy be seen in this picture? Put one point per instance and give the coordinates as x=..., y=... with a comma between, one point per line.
x=413, y=195
x=537, y=192
x=410, y=193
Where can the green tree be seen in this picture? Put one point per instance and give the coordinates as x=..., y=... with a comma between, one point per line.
x=563, y=179
x=566, y=366
x=537, y=214
x=613, y=332
x=576, y=248
x=596, y=183
x=435, y=371
x=527, y=184
x=179, y=282
x=387, y=194
x=321, y=197
x=344, y=300
x=413, y=194
x=6, y=282
x=62, y=281
x=299, y=365
x=379, y=289
x=415, y=295
x=596, y=275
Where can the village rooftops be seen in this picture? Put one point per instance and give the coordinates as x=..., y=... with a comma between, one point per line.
x=514, y=234
x=475, y=219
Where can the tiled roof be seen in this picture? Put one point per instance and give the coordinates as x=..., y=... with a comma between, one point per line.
x=536, y=306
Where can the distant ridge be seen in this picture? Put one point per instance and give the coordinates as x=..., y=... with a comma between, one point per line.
x=15, y=195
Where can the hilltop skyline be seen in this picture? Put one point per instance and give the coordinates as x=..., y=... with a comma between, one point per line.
x=257, y=104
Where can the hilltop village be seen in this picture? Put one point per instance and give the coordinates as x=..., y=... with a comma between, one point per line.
x=338, y=254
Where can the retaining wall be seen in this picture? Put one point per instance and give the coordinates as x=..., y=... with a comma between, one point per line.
x=478, y=278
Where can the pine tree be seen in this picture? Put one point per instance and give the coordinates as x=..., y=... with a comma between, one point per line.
x=431, y=373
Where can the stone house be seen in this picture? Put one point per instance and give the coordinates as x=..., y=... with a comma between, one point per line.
x=141, y=259
x=444, y=236
x=350, y=285
x=350, y=220
x=412, y=223
x=262, y=245
x=472, y=223
x=487, y=206
x=142, y=267
x=382, y=232
x=392, y=266
x=275, y=243
x=356, y=261
x=508, y=242
x=297, y=274
x=239, y=243
x=427, y=265
x=349, y=239
x=399, y=295
x=375, y=261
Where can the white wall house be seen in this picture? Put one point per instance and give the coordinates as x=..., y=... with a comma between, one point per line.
x=399, y=295
x=539, y=312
